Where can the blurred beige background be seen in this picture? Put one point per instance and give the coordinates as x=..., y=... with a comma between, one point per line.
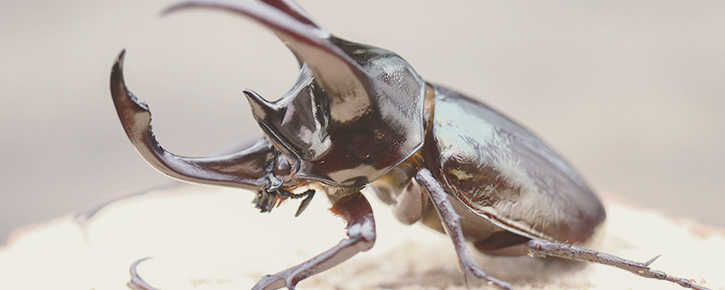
x=631, y=93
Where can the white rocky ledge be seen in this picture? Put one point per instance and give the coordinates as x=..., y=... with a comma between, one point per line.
x=211, y=238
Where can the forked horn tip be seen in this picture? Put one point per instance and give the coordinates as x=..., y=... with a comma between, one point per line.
x=117, y=70
x=128, y=106
x=120, y=57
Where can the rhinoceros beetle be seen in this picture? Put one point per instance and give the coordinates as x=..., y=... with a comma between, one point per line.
x=360, y=116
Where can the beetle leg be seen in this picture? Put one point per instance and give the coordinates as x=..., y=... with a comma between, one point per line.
x=136, y=282
x=356, y=210
x=543, y=248
x=452, y=225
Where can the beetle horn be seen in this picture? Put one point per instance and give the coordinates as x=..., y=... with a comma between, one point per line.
x=355, y=111
x=334, y=70
x=261, y=108
x=244, y=169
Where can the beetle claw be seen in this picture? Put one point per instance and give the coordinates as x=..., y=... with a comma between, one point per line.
x=136, y=283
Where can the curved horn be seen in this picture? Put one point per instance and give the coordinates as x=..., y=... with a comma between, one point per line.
x=355, y=111
x=291, y=8
x=245, y=169
x=334, y=70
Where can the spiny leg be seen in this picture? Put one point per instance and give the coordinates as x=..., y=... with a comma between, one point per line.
x=354, y=208
x=536, y=247
x=543, y=248
x=450, y=220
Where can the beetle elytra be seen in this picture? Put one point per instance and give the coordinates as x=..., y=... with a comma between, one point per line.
x=361, y=116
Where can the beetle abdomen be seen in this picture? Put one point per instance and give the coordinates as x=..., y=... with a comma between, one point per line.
x=508, y=176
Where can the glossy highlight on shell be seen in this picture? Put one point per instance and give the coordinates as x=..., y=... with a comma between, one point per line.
x=360, y=116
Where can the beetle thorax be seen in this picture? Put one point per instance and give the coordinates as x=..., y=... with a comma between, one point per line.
x=349, y=129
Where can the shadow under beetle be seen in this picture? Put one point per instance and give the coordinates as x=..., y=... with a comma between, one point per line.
x=359, y=115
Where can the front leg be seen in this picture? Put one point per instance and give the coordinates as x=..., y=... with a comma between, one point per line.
x=354, y=208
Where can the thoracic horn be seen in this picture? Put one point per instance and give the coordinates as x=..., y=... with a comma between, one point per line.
x=355, y=110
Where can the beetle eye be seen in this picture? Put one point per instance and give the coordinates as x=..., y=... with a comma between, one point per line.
x=282, y=166
x=361, y=146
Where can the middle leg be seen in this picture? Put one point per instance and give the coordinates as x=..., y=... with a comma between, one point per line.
x=450, y=220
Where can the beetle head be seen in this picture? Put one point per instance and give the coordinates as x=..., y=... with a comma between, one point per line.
x=354, y=112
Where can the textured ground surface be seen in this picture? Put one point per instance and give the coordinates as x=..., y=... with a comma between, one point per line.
x=203, y=238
